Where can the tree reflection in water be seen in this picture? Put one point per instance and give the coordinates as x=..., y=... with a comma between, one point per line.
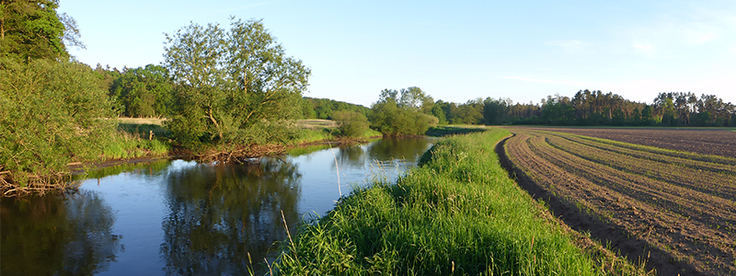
x=52, y=235
x=385, y=151
x=223, y=215
x=398, y=148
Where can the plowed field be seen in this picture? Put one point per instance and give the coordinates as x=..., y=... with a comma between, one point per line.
x=673, y=210
x=703, y=141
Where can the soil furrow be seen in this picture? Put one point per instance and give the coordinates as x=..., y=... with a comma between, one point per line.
x=711, y=163
x=699, y=206
x=723, y=186
x=687, y=214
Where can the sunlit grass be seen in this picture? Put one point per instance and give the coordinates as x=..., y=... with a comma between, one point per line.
x=125, y=145
x=459, y=213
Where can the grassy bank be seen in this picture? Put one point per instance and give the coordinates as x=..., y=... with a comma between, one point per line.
x=447, y=130
x=316, y=130
x=459, y=213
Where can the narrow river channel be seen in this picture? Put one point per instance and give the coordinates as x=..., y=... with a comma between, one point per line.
x=184, y=218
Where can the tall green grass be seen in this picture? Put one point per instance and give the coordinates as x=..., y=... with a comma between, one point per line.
x=457, y=214
x=124, y=145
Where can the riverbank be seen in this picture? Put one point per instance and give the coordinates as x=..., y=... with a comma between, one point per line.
x=145, y=140
x=459, y=213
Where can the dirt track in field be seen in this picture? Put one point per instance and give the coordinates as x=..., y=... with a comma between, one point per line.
x=673, y=210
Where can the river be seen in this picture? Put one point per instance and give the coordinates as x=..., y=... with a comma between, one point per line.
x=182, y=217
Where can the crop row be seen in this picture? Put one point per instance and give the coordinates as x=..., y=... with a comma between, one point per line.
x=719, y=182
x=681, y=206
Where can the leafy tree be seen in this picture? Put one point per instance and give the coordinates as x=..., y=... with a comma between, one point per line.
x=232, y=85
x=51, y=113
x=308, y=111
x=448, y=109
x=351, y=123
x=144, y=92
x=394, y=117
x=439, y=113
x=470, y=113
x=33, y=30
x=324, y=108
x=495, y=111
x=646, y=115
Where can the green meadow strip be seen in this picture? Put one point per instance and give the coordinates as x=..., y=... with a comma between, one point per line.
x=458, y=213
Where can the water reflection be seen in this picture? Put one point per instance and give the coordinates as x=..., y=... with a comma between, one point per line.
x=384, y=151
x=353, y=156
x=55, y=235
x=223, y=216
x=181, y=217
x=398, y=148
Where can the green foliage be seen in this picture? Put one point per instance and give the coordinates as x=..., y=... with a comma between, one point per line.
x=394, y=116
x=457, y=214
x=439, y=113
x=232, y=86
x=591, y=108
x=123, y=145
x=441, y=131
x=33, y=30
x=51, y=113
x=323, y=108
x=495, y=111
x=144, y=92
x=350, y=124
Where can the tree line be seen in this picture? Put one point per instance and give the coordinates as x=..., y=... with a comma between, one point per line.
x=226, y=88
x=595, y=108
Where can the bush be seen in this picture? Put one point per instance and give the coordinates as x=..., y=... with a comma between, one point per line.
x=394, y=117
x=350, y=123
x=51, y=113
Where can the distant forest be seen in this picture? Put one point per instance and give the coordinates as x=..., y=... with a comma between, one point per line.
x=595, y=108
x=146, y=91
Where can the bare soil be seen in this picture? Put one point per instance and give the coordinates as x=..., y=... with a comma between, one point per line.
x=673, y=211
x=704, y=141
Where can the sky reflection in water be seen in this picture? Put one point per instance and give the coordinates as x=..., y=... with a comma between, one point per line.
x=180, y=217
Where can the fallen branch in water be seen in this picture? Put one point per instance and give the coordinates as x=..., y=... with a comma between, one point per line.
x=35, y=184
x=241, y=155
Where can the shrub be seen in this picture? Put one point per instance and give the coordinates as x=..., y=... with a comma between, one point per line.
x=51, y=113
x=350, y=123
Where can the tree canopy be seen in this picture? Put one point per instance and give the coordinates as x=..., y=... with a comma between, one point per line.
x=33, y=30
x=591, y=107
x=232, y=85
x=400, y=113
x=144, y=91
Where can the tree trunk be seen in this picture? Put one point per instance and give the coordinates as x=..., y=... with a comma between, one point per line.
x=219, y=129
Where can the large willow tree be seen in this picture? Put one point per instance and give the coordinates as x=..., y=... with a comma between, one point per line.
x=232, y=86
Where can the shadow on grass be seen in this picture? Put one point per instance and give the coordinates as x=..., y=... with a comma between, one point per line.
x=441, y=131
x=144, y=130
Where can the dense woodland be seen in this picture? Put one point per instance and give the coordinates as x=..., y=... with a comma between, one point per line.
x=142, y=92
x=225, y=88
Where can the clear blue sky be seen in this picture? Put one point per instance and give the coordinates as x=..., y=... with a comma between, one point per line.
x=453, y=50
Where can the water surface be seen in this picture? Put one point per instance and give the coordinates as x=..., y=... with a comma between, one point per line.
x=181, y=217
